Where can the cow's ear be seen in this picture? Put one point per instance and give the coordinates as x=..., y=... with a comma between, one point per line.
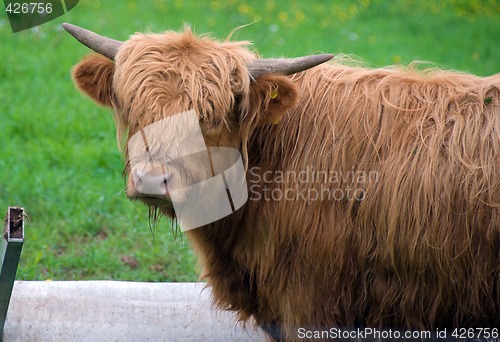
x=94, y=76
x=274, y=95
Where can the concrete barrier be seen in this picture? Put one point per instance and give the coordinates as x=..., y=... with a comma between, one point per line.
x=119, y=311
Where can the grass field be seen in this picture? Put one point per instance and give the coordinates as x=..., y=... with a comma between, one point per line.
x=58, y=154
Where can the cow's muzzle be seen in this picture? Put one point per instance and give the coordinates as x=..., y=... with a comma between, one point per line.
x=149, y=183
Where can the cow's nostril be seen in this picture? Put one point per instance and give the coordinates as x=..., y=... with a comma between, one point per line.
x=138, y=182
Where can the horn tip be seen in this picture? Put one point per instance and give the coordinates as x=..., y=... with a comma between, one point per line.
x=327, y=56
x=67, y=26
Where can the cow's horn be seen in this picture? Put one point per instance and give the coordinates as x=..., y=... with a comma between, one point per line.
x=286, y=66
x=105, y=46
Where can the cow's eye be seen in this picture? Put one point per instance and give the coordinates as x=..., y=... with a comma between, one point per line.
x=212, y=106
x=211, y=124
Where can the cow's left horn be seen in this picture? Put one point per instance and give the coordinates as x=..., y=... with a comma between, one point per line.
x=285, y=66
x=105, y=46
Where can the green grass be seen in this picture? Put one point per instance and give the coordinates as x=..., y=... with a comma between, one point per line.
x=58, y=154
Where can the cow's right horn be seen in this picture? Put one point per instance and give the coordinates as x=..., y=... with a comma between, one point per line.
x=285, y=66
x=103, y=45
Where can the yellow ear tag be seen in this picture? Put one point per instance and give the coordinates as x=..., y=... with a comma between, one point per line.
x=274, y=94
x=275, y=122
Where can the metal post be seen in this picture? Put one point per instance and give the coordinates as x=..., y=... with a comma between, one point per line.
x=10, y=251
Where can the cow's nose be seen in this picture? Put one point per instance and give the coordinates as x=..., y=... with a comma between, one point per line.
x=153, y=182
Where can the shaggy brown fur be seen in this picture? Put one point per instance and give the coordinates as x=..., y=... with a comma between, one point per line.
x=418, y=247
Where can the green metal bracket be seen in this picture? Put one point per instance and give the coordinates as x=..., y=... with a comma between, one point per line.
x=10, y=250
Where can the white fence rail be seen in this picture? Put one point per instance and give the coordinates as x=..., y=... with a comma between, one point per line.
x=119, y=311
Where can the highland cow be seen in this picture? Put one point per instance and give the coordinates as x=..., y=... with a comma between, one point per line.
x=374, y=194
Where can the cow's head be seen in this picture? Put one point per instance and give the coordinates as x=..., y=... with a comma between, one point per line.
x=152, y=77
